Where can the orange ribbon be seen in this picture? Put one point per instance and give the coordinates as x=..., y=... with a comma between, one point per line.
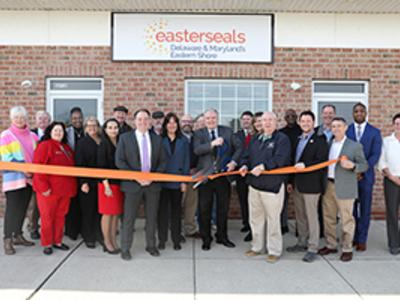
x=137, y=175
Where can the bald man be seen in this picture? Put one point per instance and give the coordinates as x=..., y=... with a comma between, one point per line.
x=267, y=151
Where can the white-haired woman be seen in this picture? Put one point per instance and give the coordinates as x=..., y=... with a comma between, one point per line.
x=86, y=156
x=17, y=144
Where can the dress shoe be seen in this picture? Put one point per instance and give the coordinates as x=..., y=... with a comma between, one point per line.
x=248, y=237
x=183, y=240
x=48, y=250
x=62, y=247
x=245, y=228
x=346, y=256
x=19, y=240
x=226, y=243
x=272, y=258
x=153, y=251
x=161, y=245
x=296, y=249
x=310, y=257
x=361, y=247
x=112, y=252
x=326, y=251
x=8, y=246
x=177, y=247
x=126, y=255
x=90, y=245
x=393, y=251
x=251, y=253
x=35, y=235
x=206, y=246
x=195, y=235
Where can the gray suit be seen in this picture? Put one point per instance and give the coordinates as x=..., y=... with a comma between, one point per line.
x=346, y=180
x=127, y=157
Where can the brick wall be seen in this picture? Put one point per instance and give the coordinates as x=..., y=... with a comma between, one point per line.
x=161, y=85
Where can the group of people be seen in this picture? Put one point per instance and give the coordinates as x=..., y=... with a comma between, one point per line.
x=339, y=194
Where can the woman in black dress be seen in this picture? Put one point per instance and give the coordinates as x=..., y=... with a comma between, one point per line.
x=86, y=156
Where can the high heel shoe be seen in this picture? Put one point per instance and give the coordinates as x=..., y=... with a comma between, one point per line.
x=113, y=252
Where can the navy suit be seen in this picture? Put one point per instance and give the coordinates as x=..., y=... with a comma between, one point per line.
x=170, y=208
x=371, y=140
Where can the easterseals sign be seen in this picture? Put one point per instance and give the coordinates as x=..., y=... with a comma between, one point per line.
x=215, y=38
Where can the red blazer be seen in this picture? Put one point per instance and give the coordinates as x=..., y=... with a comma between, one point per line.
x=51, y=152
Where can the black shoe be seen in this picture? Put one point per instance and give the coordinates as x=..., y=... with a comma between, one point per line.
x=35, y=235
x=126, y=255
x=61, y=247
x=245, y=228
x=91, y=245
x=161, y=246
x=248, y=237
x=48, y=250
x=113, y=252
x=284, y=230
x=206, y=247
x=177, y=247
x=153, y=251
x=226, y=243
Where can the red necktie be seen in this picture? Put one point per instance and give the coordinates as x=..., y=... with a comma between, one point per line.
x=247, y=140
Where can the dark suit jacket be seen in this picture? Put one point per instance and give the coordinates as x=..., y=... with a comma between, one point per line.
x=230, y=150
x=86, y=156
x=106, y=157
x=127, y=157
x=372, y=146
x=178, y=162
x=316, y=151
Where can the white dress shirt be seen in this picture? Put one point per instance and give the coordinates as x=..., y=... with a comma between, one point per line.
x=390, y=157
x=139, y=137
x=40, y=133
x=362, y=129
x=215, y=130
x=334, y=153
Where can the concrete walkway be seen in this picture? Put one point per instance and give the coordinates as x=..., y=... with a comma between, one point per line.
x=191, y=273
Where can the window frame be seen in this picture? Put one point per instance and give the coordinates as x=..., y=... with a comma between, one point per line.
x=51, y=95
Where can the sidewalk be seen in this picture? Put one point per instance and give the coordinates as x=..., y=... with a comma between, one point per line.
x=191, y=273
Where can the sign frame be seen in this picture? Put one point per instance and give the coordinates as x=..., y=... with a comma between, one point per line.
x=272, y=16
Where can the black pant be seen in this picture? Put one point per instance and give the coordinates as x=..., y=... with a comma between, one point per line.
x=73, y=220
x=243, y=192
x=91, y=230
x=169, y=211
x=392, y=201
x=222, y=188
x=17, y=202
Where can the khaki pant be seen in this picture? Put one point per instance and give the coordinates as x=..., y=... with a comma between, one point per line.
x=265, y=210
x=331, y=207
x=306, y=210
x=190, y=200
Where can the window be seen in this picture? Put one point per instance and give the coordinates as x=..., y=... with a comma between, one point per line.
x=342, y=94
x=229, y=97
x=66, y=93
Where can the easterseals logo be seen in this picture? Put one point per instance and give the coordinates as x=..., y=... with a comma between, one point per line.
x=160, y=40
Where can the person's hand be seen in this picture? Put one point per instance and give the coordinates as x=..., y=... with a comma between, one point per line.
x=300, y=166
x=360, y=176
x=231, y=166
x=144, y=182
x=347, y=164
x=108, y=191
x=85, y=188
x=395, y=179
x=183, y=187
x=217, y=142
x=257, y=170
x=192, y=171
x=290, y=188
x=47, y=193
x=243, y=171
x=28, y=175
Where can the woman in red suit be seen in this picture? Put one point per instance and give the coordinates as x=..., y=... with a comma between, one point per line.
x=109, y=194
x=53, y=192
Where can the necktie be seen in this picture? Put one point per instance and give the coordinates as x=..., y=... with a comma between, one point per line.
x=145, y=155
x=213, y=137
x=358, y=133
x=247, y=140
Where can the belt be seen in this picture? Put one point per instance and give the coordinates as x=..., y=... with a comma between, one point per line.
x=331, y=180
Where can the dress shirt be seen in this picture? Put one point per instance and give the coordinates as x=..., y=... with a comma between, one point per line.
x=328, y=134
x=215, y=131
x=334, y=153
x=139, y=137
x=390, y=157
x=40, y=133
x=356, y=125
x=303, y=140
